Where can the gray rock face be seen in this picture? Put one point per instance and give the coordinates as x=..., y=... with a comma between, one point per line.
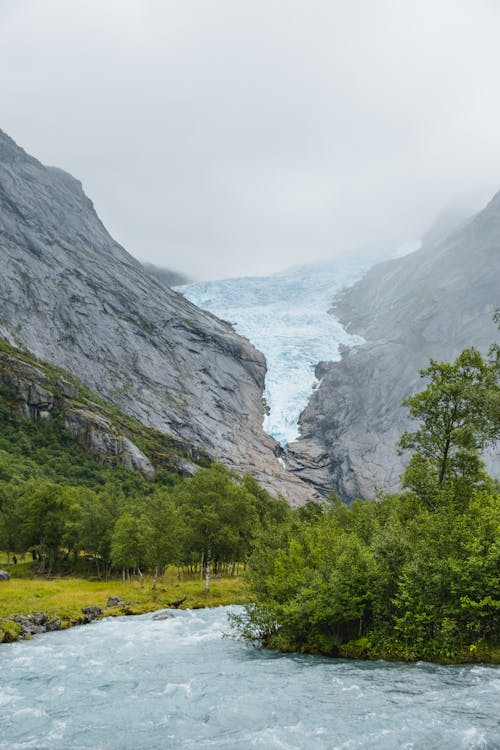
x=432, y=303
x=96, y=433
x=36, y=622
x=100, y=438
x=90, y=614
x=71, y=295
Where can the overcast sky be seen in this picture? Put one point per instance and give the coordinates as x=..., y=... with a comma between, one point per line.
x=231, y=137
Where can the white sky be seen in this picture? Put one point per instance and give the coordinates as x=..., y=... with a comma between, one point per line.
x=231, y=137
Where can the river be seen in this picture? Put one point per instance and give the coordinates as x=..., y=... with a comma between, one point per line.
x=134, y=683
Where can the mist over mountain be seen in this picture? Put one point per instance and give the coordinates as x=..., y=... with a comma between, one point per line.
x=165, y=276
x=431, y=303
x=74, y=297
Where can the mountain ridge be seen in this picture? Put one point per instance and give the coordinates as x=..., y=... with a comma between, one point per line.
x=73, y=296
x=433, y=302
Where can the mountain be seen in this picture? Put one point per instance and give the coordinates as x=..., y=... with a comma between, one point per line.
x=74, y=297
x=431, y=303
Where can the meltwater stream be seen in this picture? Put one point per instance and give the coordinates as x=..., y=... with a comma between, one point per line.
x=135, y=683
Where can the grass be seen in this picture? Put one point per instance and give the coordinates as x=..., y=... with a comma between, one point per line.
x=64, y=598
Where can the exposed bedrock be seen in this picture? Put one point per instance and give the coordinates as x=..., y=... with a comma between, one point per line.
x=74, y=297
x=431, y=303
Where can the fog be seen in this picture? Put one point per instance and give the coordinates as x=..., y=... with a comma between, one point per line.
x=233, y=137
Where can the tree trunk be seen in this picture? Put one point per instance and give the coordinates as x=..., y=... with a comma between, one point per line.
x=51, y=561
x=207, y=573
x=155, y=578
x=444, y=461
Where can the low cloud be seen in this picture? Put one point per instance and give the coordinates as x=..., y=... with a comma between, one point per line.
x=241, y=137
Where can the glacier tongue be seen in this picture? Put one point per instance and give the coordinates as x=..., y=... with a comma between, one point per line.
x=286, y=317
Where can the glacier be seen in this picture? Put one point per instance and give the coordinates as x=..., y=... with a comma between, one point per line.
x=286, y=316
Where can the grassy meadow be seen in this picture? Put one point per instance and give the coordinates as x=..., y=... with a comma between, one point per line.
x=64, y=598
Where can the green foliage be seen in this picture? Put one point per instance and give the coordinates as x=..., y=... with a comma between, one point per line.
x=382, y=579
x=220, y=515
x=410, y=576
x=58, y=502
x=9, y=631
x=458, y=414
x=130, y=542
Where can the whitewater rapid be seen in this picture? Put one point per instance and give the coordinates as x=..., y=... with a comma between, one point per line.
x=286, y=317
x=134, y=683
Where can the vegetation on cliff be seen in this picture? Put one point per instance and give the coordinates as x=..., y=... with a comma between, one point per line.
x=58, y=503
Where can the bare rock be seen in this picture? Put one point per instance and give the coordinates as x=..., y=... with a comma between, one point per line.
x=74, y=297
x=92, y=613
x=434, y=302
x=36, y=622
x=163, y=616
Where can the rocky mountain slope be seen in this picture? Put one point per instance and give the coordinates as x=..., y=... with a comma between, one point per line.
x=74, y=297
x=431, y=303
x=38, y=390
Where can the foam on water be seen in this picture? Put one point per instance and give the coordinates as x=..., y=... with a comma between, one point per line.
x=141, y=684
x=286, y=317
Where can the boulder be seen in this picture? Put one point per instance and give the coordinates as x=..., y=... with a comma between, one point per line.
x=163, y=616
x=4, y=576
x=36, y=622
x=92, y=613
x=115, y=601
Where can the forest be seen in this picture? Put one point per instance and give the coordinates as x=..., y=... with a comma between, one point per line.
x=57, y=503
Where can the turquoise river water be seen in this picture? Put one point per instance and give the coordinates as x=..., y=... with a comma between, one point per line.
x=134, y=683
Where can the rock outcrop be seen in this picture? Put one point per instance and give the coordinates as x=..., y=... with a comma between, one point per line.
x=36, y=623
x=74, y=297
x=431, y=303
x=39, y=395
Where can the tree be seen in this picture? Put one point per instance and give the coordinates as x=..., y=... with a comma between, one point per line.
x=99, y=514
x=130, y=542
x=167, y=531
x=458, y=412
x=47, y=511
x=219, y=515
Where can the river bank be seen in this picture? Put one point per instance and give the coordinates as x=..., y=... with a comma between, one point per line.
x=62, y=603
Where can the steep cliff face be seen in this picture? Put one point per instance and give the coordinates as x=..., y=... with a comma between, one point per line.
x=36, y=395
x=71, y=295
x=432, y=303
x=37, y=390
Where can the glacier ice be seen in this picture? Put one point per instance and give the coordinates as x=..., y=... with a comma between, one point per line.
x=286, y=317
